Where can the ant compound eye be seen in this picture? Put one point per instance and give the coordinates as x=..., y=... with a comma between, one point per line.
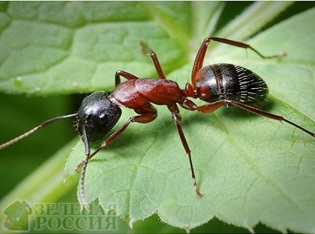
x=98, y=114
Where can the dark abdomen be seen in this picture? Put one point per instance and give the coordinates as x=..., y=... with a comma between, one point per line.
x=228, y=81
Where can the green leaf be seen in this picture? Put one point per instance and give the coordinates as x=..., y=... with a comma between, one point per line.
x=43, y=53
x=253, y=19
x=250, y=169
x=255, y=171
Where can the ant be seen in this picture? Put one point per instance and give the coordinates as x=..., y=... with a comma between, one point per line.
x=217, y=84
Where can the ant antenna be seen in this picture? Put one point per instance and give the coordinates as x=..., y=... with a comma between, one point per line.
x=44, y=124
x=82, y=187
x=84, y=163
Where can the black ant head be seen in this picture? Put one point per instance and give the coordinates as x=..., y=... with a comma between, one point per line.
x=97, y=115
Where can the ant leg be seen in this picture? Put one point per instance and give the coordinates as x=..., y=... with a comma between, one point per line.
x=148, y=116
x=155, y=60
x=211, y=107
x=245, y=46
x=124, y=74
x=269, y=115
x=145, y=117
x=208, y=108
x=198, y=63
x=176, y=116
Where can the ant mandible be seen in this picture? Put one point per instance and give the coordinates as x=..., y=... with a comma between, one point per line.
x=217, y=84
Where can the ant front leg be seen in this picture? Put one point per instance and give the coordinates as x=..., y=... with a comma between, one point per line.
x=155, y=60
x=208, y=108
x=176, y=117
x=143, y=118
x=198, y=63
x=149, y=115
x=146, y=117
x=124, y=74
